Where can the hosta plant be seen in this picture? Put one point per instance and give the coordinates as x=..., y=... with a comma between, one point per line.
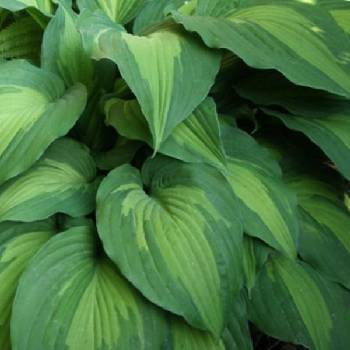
x=174, y=174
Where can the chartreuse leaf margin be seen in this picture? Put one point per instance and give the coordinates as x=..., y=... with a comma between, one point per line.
x=174, y=174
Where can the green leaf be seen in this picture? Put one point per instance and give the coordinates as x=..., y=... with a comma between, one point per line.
x=120, y=11
x=236, y=335
x=21, y=39
x=269, y=88
x=196, y=139
x=293, y=303
x=154, y=12
x=44, y=6
x=62, y=51
x=324, y=239
x=164, y=89
x=272, y=34
x=40, y=110
x=122, y=152
x=126, y=117
x=183, y=236
x=63, y=180
x=215, y=8
x=91, y=128
x=269, y=208
x=72, y=298
x=340, y=11
x=185, y=337
x=18, y=244
x=331, y=133
x=324, y=118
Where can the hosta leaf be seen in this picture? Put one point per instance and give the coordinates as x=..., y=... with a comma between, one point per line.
x=236, y=335
x=164, y=88
x=120, y=11
x=269, y=88
x=122, y=152
x=45, y=6
x=185, y=337
x=91, y=128
x=72, y=298
x=215, y=8
x=154, y=12
x=196, y=139
x=21, y=39
x=331, y=133
x=18, y=243
x=183, y=236
x=126, y=117
x=35, y=110
x=269, y=208
x=340, y=11
x=282, y=32
x=63, y=52
x=324, y=118
x=63, y=180
x=325, y=238
x=293, y=303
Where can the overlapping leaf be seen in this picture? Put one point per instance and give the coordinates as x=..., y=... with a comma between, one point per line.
x=325, y=238
x=324, y=118
x=340, y=11
x=21, y=39
x=183, y=236
x=153, y=13
x=18, y=243
x=272, y=34
x=45, y=6
x=63, y=180
x=71, y=298
x=63, y=52
x=269, y=208
x=294, y=303
x=35, y=110
x=196, y=139
x=164, y=88
x=251, y=171
x=120, y=11
x=236, y=335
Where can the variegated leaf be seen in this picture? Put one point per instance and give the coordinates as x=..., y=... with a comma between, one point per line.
x=323, y=117
x=292, y=302
x=182, y=233
x=153, y=13
x=63, y=180
x=34, y=105
x=21, y=39
x=269, y=208
x=340, y=11
x=282, y=32
x=164, y=88
x=325, y=228
x=62, y=51
x=71, y=298
x=331, y=133
x=18, y=244
x=249, y=168
x=119, y=11
x=196, y=139
x=44, y=6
